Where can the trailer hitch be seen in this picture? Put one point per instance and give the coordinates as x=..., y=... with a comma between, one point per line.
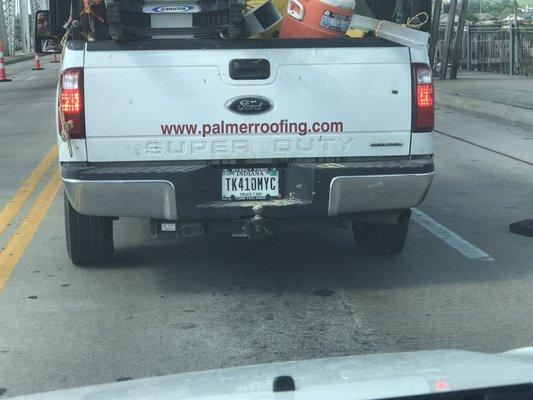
x=254, y=228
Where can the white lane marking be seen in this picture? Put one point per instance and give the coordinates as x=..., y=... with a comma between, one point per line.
x=31, y=78
x=451, y=238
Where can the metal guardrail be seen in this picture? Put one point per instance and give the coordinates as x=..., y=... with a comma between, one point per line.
x=505, y=50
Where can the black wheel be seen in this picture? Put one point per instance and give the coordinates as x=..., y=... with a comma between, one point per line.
x=380, y=239
x=89, y=239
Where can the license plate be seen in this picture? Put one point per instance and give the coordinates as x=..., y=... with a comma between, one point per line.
x=250, y=184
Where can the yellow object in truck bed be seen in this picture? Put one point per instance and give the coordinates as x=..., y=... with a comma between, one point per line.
x=355, y=33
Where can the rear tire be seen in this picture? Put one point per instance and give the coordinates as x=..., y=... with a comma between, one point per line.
x=89, y=239
x=380, y=239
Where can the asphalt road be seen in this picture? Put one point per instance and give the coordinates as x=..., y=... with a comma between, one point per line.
x=166, y=307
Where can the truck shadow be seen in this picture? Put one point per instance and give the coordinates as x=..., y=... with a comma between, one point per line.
x=297, y=261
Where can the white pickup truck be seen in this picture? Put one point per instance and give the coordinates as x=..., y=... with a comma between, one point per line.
x=238, y=135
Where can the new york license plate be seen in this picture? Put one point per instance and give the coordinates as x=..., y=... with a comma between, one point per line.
x=250, y=184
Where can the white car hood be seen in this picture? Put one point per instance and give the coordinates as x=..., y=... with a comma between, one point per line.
x=356, y=377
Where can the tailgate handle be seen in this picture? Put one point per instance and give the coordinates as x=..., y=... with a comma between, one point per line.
x=253, y=68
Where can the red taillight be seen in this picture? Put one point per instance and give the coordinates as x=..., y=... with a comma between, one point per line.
x=71, y=102
x=423, y=99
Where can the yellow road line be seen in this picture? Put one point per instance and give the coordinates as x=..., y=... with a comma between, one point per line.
x=26, y=189
x=17, y=243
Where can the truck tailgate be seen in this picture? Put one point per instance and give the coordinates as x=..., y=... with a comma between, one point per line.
x=173, y=104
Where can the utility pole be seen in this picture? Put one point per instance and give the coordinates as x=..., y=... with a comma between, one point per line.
x=458, y=44
x=517, y=43
x=447, y=39
x=25, y=34
x=434, y=30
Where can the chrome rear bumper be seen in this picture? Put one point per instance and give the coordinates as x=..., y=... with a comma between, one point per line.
x=122, y=198
x=353, y=194
x=308, y=190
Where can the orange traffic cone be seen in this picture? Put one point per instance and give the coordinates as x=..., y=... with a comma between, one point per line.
x=3, y=76
x=54, y=58
x=37, y=63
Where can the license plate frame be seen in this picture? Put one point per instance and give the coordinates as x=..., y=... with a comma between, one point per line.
x=250, y=184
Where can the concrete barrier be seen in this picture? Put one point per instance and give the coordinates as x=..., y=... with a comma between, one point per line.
x=515, y=115
x=15, y=59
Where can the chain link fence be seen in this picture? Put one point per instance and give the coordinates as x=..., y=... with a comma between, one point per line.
x=500, y=49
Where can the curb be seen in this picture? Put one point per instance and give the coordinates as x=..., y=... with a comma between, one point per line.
x=512, y=114
x=16, y=59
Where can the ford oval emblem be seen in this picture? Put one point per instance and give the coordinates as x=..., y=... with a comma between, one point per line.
x=249, y=105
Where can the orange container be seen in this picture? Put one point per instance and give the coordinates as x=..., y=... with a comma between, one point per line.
x=317, y=18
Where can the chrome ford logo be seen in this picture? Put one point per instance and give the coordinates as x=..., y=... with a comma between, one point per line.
x=249, y=105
